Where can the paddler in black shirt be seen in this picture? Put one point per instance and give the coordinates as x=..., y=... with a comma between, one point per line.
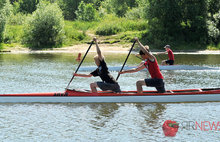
x=108, y=82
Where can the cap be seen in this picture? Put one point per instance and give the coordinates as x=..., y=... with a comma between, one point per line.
x=167, y=46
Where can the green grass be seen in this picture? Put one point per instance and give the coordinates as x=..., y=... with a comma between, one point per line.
x=108, y=30
x=1, y=46
x=213, y=47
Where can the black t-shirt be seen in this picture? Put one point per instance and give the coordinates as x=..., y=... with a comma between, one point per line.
x=103, y=72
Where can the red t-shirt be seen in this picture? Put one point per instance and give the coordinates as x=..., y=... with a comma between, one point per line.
x=170, y=55
x=153, y=69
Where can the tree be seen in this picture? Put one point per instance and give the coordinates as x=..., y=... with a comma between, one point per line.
x=5, y=12
x=174, y=20
x=118, y=7
x=85, y=12
x=164, y=18
x=45, y=26
x=27, y=6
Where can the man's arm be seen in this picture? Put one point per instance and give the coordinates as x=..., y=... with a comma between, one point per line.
x=140, y=67
x=162, y=53
x=82, y=75
x=100, y=56
x=151, y=57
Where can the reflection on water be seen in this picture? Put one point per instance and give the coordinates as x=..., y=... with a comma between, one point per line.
x=45, y=72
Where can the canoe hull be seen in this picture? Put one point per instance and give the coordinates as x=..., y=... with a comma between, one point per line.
x=192, y=95
x=118, y=99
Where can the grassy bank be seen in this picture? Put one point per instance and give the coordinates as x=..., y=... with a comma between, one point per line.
x=109, y=30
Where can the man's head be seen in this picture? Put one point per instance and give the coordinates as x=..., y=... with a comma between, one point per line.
x=142, y=54
x=97, y=60
x=167, y=47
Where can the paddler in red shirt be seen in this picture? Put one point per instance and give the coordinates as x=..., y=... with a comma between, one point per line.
x=171, y=59
x=151, y=64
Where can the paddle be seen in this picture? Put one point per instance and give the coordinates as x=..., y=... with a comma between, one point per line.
x=79, y=65
x=139, y=57
x=126, y=59
x=160, y=57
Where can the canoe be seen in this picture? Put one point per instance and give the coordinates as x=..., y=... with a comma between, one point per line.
x=164, y=67
x=85, y=96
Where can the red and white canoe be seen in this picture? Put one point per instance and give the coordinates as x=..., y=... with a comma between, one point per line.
x=82, y=96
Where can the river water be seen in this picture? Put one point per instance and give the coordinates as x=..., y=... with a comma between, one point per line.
x=118, y=122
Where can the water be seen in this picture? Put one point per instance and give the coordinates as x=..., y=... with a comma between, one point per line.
x=132, y=122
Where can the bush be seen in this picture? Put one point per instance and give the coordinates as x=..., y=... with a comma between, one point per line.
x=73, y=34
x=214, y=29
x=45, y=26
x=5, y=11
x=108, y=28
x=2, y=26
x=85, y=12
x=112, y=25
x=134, y=14
x=131, y=25
x=13, y=33
x=17, y=19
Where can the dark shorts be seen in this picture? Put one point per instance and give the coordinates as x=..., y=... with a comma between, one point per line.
x=109, y=86
x=170, y=62
x=157, y=83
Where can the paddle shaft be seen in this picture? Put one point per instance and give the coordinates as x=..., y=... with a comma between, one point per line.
x=139, y=57
x=160, y=57
x=126, y=59
x=80, y=64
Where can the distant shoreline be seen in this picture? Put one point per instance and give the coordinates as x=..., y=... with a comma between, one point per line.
x=103, y=47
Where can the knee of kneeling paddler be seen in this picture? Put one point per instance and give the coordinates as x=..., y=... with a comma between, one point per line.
x=92, y=84
x=139, y=83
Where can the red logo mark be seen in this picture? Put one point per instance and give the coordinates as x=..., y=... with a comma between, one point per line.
x=170, y=128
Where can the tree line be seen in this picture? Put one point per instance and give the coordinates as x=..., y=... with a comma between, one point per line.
x=167, y=21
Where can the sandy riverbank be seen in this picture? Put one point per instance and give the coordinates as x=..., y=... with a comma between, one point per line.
x=74, y=48
x=104, y=48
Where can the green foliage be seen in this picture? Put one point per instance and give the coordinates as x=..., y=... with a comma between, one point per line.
x=214, y=29
x=26, y=6
x=111, y=25
x=134, y=14
x=5, y=12
x=109, y=28
x=84, y=25
x=214, y=47
x=85, y=12
x=17, y=19
x=131, y=25
x=188, y=22
x=69, y=7
x=7, y=8
x=213, y=8
x=1, y=46
x=117, y=7
x=45, y=26
x=13, y=34
x=2, y=26
x=137, y=12
x=72, y=34
x=2, y=3
x=173, y=21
